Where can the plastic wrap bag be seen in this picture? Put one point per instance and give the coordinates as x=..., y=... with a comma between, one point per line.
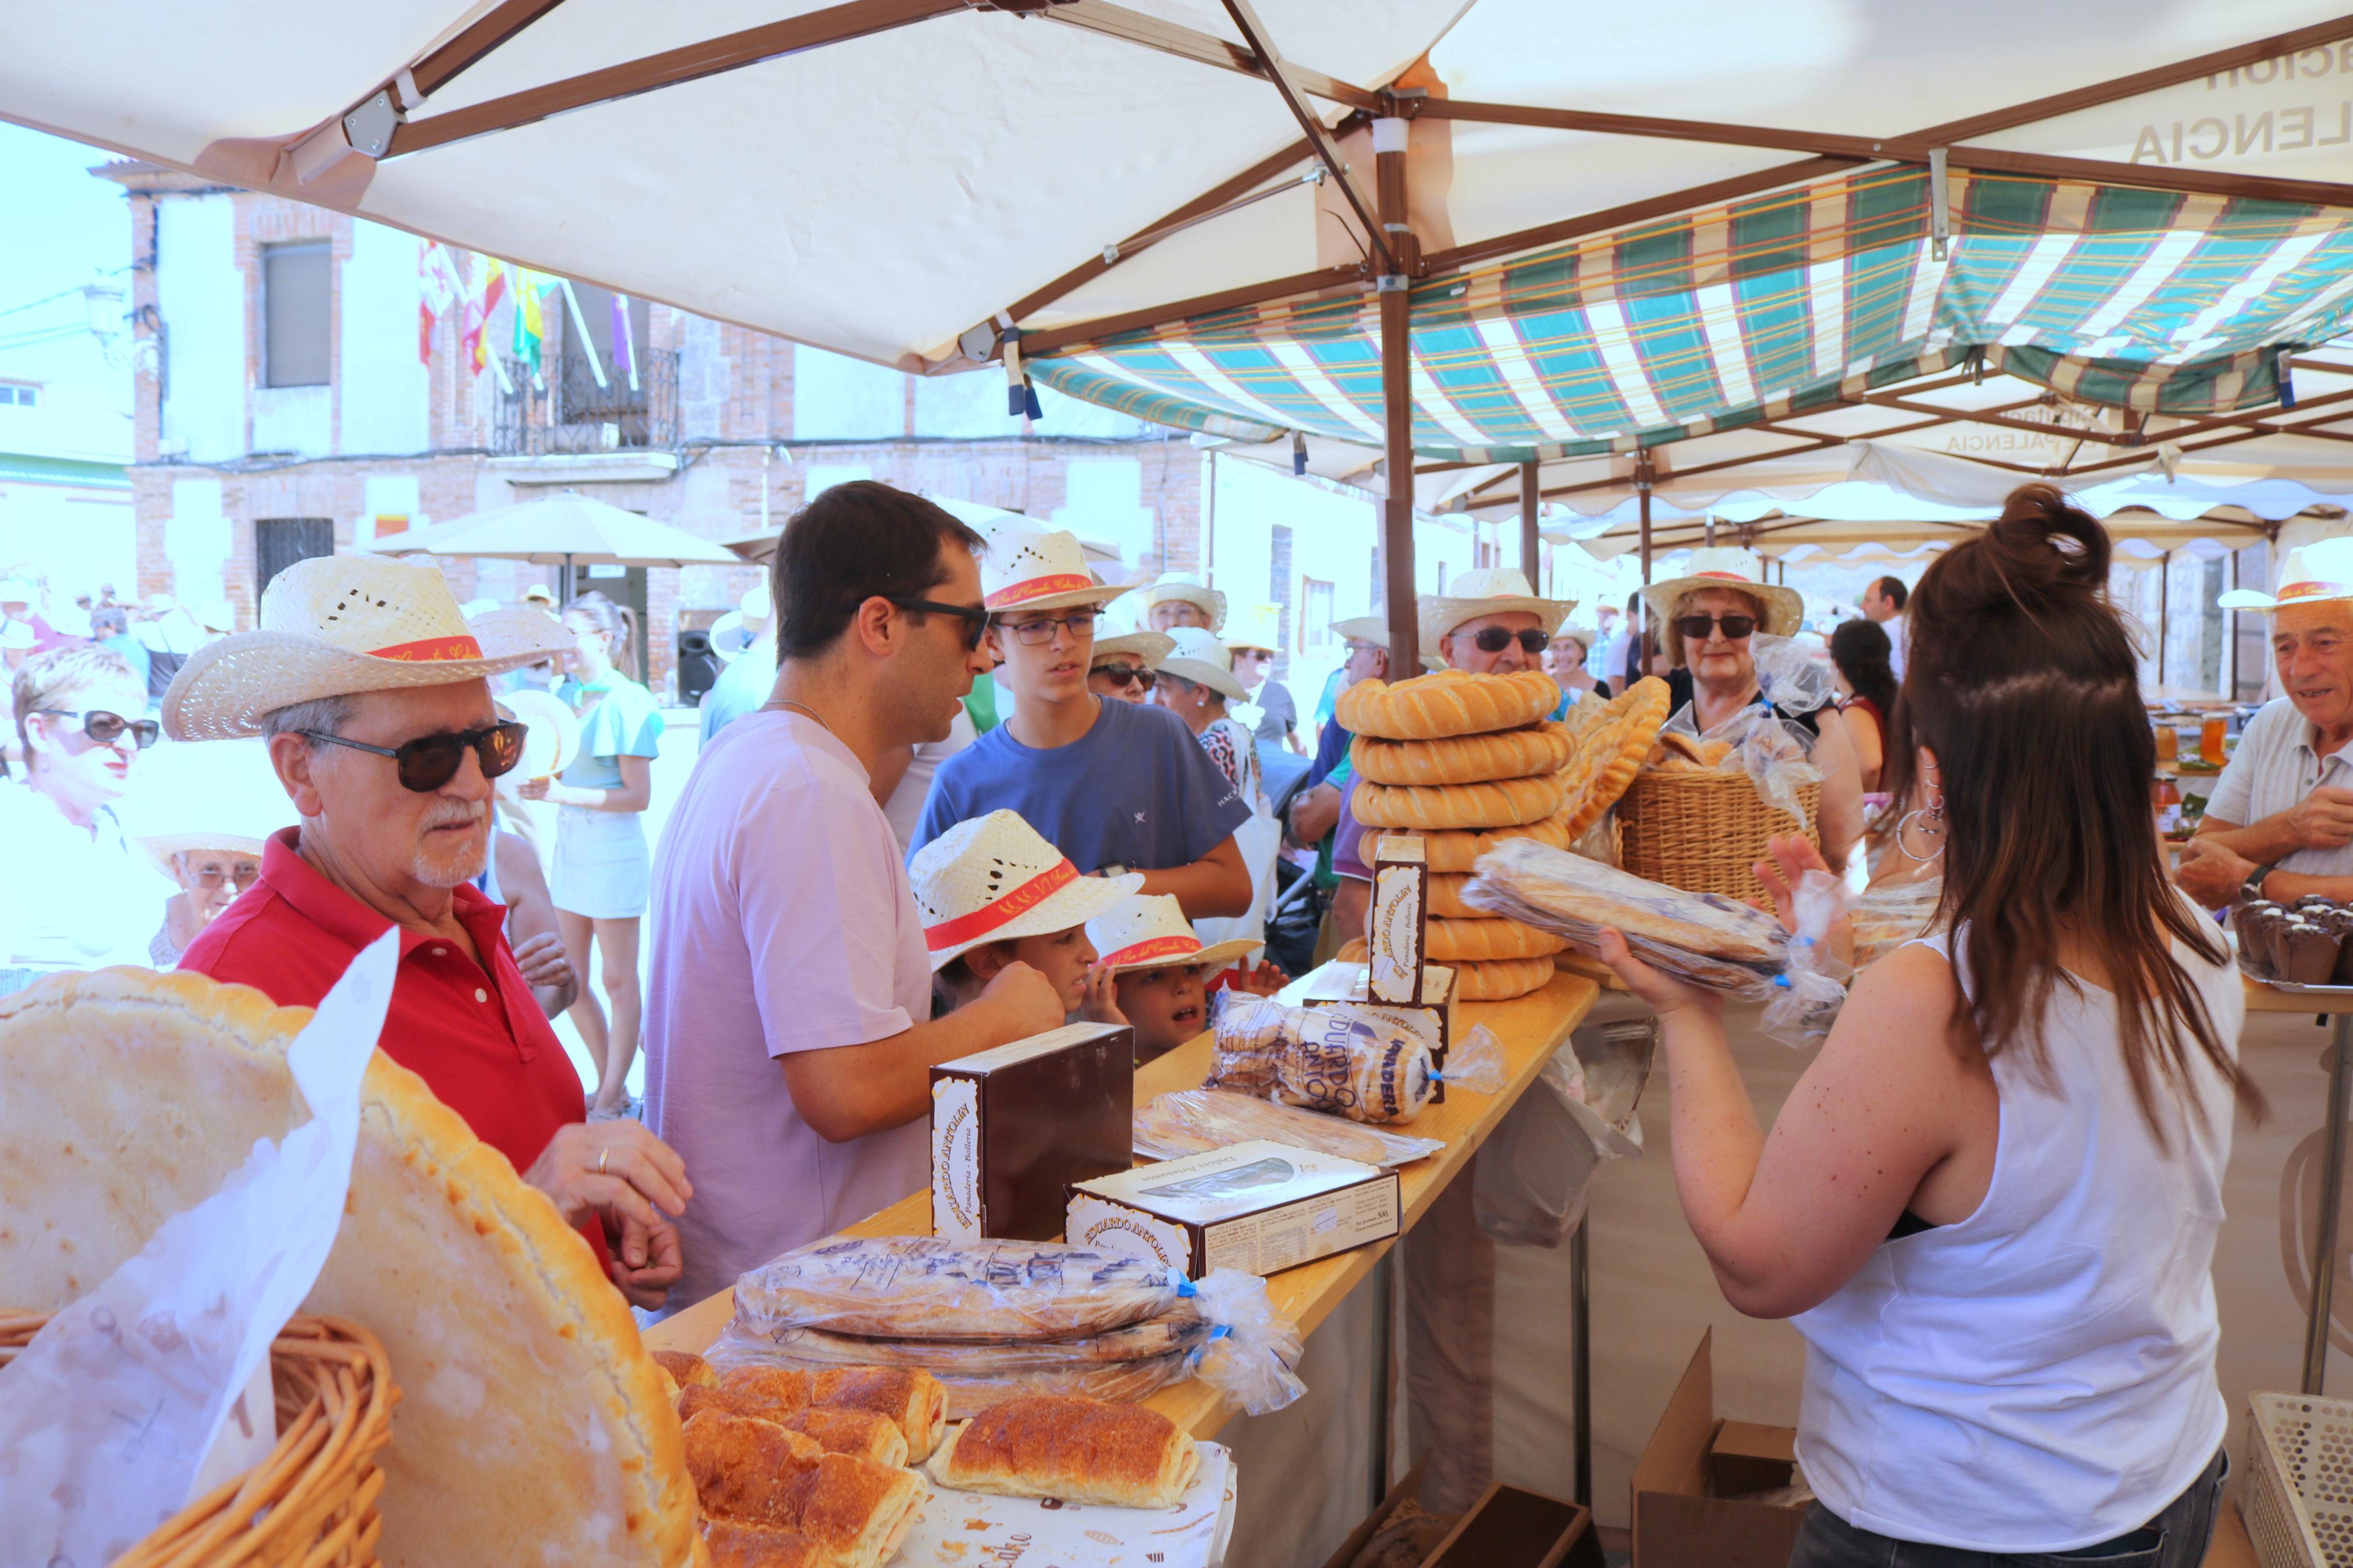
x=1196, y=1121
x=1535, y=1171
x=1252, y=1347
x=1776, y=753
x=1343, y=1059
x=971, y=1390
x=1891, y=913
x=1792, y=677
x=1809, y=992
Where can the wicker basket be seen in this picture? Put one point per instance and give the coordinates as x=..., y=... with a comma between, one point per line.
x=2299, y=1496
x=1701, y=831
x=311, y=1503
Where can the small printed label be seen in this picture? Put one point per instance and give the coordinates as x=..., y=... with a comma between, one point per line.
x=1326, y=1219
x=955, y=1159
x=1127, y=1233
x=1396, y=933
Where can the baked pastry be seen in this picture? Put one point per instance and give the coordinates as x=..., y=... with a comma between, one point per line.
x=1612, y=753
x=2312, y=950
x=1463, y=759
x=1078, y=1450
x=908, y=1397
x=733, y=1544
x=532, y=1424
x=927, y=1287
x=1501, y=979
x=855, y=1510
x=1446, y=703
x=744, y=1466
x=773, y=1387
x=1505, y=803
x=1488, y=936
x=1458, y=850
x=685, y=1368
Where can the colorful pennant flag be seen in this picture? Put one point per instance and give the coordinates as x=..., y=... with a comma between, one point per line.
x=439, y=287
x=489, y=288
x=625, y=349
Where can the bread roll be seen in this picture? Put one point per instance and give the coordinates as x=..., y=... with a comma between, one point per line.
x=733, y=1544
x=1612, y=754
x=1446, y=898
x=1463, y=759
x=685, y=1368
x=1506, y=803
x=1487, y=938
x=743, y=1468
x=782, y=1388
x=855, y=1510
x=1454, y=850
x=1446, y=703
x=908, y=1397
x=1500, y=980
x=1079, y=1450
x=858, y=1432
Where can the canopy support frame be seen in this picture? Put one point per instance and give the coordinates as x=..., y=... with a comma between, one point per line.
x=1397, y=426
x=1278, y=71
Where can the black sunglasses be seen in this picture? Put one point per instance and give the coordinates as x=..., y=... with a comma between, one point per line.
x=1121, y=674
x=431, y=761
x=1495, y=639
x=1696, y=628
x=974, y=618
x=106, y=728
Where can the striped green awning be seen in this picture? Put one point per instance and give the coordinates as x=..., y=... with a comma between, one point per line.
x=1768, y=307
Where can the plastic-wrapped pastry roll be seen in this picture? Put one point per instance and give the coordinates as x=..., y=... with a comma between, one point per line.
x=1360, y=1063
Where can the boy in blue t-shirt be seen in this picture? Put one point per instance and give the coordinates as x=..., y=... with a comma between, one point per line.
x=1114, y=785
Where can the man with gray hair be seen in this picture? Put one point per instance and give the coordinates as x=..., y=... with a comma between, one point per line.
x=373, y=690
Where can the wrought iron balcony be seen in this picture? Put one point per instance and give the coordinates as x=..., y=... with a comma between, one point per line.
x=568, y=412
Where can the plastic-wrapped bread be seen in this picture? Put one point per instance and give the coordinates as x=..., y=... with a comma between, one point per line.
x=923, y=1287
x=1171, y=1333
x=1360, y=1062
x=973, y=1376
x=1446, y=703
x=1463, y=759
x=1505, y=802
x=1195, y=1120
x=1079, y=1450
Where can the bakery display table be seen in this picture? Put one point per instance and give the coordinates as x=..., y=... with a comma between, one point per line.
x=1531, y=1027
x=2338, y=1010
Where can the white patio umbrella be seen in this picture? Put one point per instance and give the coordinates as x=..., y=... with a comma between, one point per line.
x=568, y=529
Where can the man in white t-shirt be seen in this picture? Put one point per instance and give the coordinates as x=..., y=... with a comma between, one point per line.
x=788, y=1027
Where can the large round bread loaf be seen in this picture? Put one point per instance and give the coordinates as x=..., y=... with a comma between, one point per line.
x=1446, y=896
x=533, y=1427
x=1458, y=850
x=1609, y=755
x=1505, y=802
x=1463, y=759
x=1446, y=703
x=1488, y=937
x=1501, y=979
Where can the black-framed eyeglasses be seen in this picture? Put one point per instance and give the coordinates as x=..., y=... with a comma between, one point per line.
x=1080, y=624
x=431, y=761
x=1495, y=639
x=106, y=728
x=974, y=618
x=1696, y=628
x=1122, y=674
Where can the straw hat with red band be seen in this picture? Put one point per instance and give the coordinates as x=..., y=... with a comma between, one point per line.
x=1039, y=572
x=1169, y=588
x=2311, y=572
x=1726, y=566
x=335, y=625
x=1149, y=931
x=1489, y=591
x=994, y=878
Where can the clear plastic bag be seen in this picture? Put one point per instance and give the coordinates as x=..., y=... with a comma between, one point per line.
x=1253, y=1348
x=1776, y=754
x=972, y=1390
x=1477, y=1064
x=1792, y=676
x=1810, y=989
x=1891, y=913
x=1350, y=1061
x=1196, y=1121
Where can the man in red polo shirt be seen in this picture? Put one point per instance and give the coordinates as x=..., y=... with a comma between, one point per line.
x=372, y=691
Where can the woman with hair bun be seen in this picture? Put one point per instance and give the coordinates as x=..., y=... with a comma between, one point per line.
x=1990, y=1203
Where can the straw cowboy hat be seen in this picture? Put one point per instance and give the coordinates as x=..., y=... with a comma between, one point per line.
x=1729, y=566
x=1149, y=931
x=1168, y=586
x=1492, y=590
x=15, y=591
x=1255, y=626
x=993, y=879
x=1027, y=570
x=1199, y=657
x=732, y=635
x=539, y=593
x=2320, y=570
x=1373, y=629
x=551, y=733
x=1149, y=647
x=335, y=625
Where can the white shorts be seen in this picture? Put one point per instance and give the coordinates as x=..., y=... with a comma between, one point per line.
x=602, y=869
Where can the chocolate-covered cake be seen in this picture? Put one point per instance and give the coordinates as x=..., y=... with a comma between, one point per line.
x=2309, y=951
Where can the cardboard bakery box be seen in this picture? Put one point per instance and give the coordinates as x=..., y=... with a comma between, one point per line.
x=1397, y=935
x=1435, y=1017
x=1705, y=1488
x=1512, y=1527
x=1014, y=1127
x=1260, y=1207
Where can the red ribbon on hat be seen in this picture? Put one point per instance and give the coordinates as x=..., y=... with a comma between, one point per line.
x=431, y=651
x=2316, y=591
x=1154, y=947
x=1038, y=588
x=990, y=916
x=1727, y=577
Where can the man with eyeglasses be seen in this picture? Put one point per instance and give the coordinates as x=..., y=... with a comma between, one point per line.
x=374, y=694
x=1117, y=786
x=789, y=1036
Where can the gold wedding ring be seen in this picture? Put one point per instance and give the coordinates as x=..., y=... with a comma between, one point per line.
x=602, y=1156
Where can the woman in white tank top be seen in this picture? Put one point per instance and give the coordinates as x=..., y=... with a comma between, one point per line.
x=1990, y=1203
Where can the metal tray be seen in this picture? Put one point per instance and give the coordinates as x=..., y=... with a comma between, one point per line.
x=2261, y=973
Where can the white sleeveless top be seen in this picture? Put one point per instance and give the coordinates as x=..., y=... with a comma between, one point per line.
x=2039, y=1376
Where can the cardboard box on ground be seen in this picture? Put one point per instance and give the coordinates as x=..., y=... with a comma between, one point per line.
x=1508, y=1528
x=1704, y=1490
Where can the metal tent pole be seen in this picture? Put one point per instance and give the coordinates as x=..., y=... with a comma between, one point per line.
x=1642, y=492
x=2164, y=603
x=1384, y=1284
x=1397, y=402
x=2332, y=1199
x=1530, y=504
x=1580, y=1355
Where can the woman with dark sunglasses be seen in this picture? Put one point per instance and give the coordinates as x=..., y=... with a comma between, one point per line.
x=1708, y=617
x=79, y=895
x=1122, y=666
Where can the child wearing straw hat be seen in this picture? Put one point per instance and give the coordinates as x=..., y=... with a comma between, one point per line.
x=1161, y=968
x=993, y=893
x=1114, y=785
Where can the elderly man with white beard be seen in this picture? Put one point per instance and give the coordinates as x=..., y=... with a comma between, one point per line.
x=373, y=690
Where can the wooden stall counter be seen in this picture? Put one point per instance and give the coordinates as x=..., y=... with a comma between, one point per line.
x=1531, y=1027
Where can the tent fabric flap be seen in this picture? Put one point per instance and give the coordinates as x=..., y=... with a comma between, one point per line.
x=1762, y=309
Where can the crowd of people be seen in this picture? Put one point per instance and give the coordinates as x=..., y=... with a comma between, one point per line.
x=941, y=805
